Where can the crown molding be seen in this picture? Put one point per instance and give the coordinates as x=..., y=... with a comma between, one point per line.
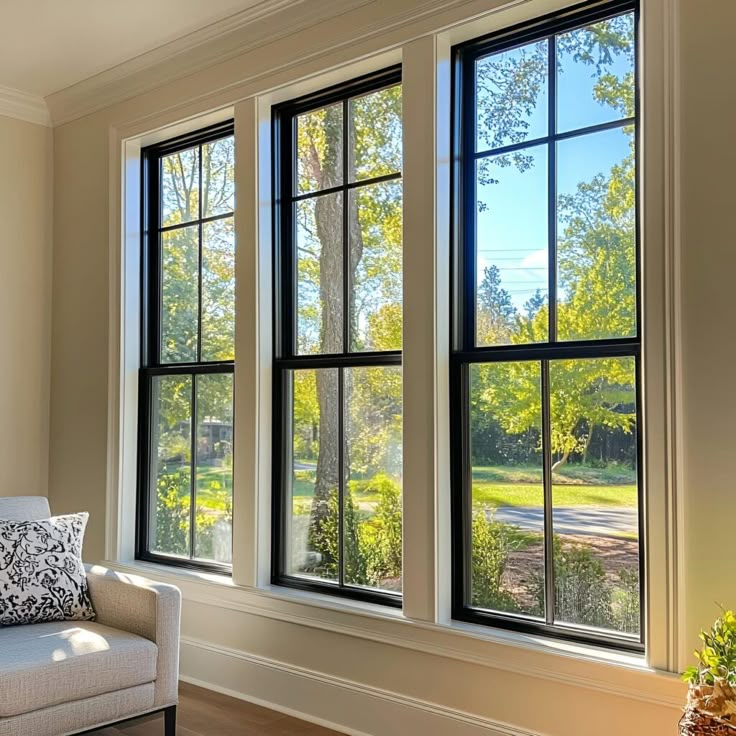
x=23, y=106
x=256, y=26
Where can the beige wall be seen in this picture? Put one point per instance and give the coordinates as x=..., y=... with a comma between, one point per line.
x=708, y=107
x=25, y=297
x=706, y=110
x=78, y=451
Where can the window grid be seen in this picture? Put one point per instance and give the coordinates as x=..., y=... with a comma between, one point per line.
x=465, y=350
x=287, y=358
x=152, y=364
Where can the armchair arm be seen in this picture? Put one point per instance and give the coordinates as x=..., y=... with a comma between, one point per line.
x=151, y=610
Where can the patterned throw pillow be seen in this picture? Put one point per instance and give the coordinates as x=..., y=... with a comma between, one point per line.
x=42, y=577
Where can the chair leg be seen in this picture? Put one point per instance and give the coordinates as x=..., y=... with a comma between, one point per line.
x=170, y=721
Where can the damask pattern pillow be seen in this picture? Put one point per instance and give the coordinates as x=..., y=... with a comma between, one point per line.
x=42, y=577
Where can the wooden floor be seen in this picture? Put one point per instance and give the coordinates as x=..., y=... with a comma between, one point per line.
x=206, y=713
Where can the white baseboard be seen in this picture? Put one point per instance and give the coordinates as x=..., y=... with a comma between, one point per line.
x=342, y=705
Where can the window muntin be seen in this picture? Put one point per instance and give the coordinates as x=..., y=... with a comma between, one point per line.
x=546, y=345
x=337, y=365
x=187, y=349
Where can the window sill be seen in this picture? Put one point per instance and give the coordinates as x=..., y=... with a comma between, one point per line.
x=615, y=672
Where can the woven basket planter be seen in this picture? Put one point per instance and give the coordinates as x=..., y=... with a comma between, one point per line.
x=710, y=711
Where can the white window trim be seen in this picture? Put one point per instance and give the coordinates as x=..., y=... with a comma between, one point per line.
x=427, y=529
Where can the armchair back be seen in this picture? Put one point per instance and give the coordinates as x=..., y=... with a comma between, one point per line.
x=24, y=508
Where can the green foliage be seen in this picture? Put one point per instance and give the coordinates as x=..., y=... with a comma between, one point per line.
x=584, y=595
x=496, y=312
x=372, y=544
x=172, y=516
x=381, y=543
x=493, y=542
x=172, y=513
x=717, y=656
x=625, y=603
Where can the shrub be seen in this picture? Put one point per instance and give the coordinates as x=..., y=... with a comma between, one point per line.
x=493, y=542
x=323, y=538
x=172, y=517
x=373, y=546
x=381, y=542
x=625, y=607
x=172, y=513
x=582, y=594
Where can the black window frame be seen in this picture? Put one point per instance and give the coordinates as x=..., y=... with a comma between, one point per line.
x=463, y=350
x=151, y=365
x=285, y=356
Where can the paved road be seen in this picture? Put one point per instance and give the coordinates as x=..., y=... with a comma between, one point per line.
x=583, y=520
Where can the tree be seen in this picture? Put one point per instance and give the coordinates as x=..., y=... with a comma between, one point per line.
x=180, y=313
x=496, y=314
x=596, y=252
x=180, y=254
x=373, y=260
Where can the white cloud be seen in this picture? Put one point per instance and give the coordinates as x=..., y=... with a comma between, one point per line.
x=536, y=259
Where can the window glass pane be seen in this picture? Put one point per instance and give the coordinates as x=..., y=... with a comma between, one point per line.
x=595, y=498
x=374, y=129
x=512, y=255
x=596, y=236
x=180, y=187
x=319, y=149
x=218, y=290
x=375, y=250
x=319, y=246
x=372, y=503
x=170, y=472
x=312, y=544
x=511, y=96
x=507, y=566
x=214, y=468
x=179, y=294
x=218, y=173
x=595, y=73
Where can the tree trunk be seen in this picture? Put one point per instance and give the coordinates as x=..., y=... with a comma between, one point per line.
x=586, y=448
x=562, y=461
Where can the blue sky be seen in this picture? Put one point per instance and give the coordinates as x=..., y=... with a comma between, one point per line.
x=512, y=231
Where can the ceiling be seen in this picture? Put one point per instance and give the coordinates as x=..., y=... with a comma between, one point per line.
x=48, y=45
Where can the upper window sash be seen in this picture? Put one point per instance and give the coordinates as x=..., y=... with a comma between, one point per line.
x=188, y=205
x=543, y=139
x=342, y=182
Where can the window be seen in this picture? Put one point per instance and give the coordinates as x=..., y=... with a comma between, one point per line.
x=337, y=366
x=187, y=347
x=545, y=367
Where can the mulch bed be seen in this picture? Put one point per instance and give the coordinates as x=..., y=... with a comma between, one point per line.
x=526, y=565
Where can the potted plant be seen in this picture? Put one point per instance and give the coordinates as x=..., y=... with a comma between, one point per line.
x=711, y=698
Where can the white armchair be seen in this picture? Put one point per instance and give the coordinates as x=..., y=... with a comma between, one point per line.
x=70, y=677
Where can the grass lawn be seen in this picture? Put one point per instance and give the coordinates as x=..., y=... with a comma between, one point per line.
x=578, y=475
x=521, y=494
x=214, y=487
x=573, y=485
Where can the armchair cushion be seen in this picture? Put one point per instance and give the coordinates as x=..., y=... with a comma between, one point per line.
x=59, y=662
